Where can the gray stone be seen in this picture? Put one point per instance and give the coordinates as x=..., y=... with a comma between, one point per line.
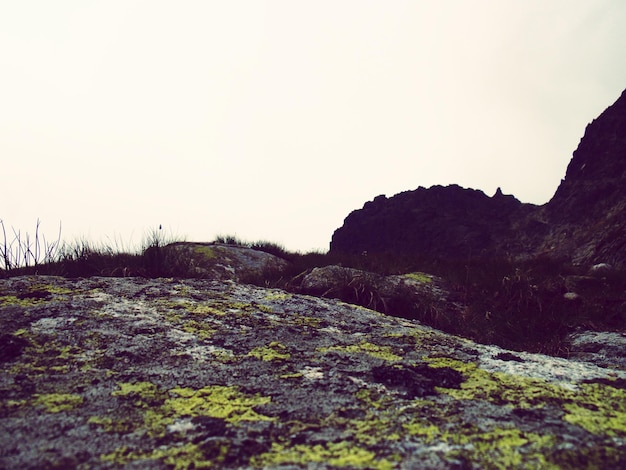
x=165, y=373
x=602, y=348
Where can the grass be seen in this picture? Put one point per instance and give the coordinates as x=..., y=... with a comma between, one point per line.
x=33, y=254
x=514, y=304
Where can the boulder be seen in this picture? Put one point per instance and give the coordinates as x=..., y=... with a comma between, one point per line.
x=214, y=261
x=171, y=373
x=413, y=295
x=602, y=348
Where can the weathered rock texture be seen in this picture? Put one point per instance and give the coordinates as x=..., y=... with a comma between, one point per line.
x=416, y=295
x=136, y=373
x=214, y=261
x=583, y=222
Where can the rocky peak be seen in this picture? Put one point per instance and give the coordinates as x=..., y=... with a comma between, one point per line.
x=441, y=220
x=583, y=222
x=598, y=165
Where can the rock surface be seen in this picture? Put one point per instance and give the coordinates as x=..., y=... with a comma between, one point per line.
x=415, y=295
x=216, y=260
x=584, y=221
x=136, y=373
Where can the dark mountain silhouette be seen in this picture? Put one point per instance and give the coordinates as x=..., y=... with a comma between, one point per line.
x=584, y=222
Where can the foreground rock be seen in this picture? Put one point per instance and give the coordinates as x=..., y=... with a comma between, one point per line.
x=136, y=373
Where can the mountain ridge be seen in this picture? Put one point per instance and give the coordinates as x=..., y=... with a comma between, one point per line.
x=582, y=222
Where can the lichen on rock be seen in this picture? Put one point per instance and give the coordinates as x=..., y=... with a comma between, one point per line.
x=169, y=373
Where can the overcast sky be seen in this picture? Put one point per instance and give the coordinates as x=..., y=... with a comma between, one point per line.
x=275, y=119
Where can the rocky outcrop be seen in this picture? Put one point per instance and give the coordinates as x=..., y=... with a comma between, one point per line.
x=414, y=295
x=213, y=261
x=448, y=221
x=587, y=213
x=584, y=221
x=164, y=373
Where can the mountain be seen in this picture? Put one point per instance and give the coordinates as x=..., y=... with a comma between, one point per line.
x=583, y=222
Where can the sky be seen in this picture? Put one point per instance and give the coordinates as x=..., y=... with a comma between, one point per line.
x=273, y=120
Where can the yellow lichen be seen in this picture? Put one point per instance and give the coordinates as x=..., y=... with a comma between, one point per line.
x=214, y=401
x=13, y=300
x=379, y=352
x=178, y=457
x=601, y=409
x=205, y=251
x=272, y=352
x=57, y=402
x=503, y=449
x=277, y=296
x=500, y=388
x=337, y=454
x=420, y=277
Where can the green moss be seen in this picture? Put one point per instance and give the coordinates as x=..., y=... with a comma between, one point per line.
x=277, y=296
x=373, y=429
x=13, y=300
x=420, y=277
x=508, y=448
x=340, y=454
x=204, y=310
x=45, y=356
x=121, y=426
x=52, y=289
x=422, y=429
x=273, y=352
x=198, y=328
x=295, y=375
x=303, y=320
x=205, y=251
x=179, y=457
x=215, y=401
x=224, y=356
x=379, y=352
x=8, y=406
x=143, y=394
x=187, y=456
x=36, y=294
x=57, y=402
x=158, y=409
x=501, y=388
x=373, y=399
x=601, y=410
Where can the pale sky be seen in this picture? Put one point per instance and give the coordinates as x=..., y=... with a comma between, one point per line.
x=275, y=119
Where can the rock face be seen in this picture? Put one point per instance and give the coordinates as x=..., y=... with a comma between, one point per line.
x=587, y=215
x=439, y=221
x=584, y=221
x=136, y=373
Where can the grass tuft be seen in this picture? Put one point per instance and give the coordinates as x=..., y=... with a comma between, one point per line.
x=519, y=305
